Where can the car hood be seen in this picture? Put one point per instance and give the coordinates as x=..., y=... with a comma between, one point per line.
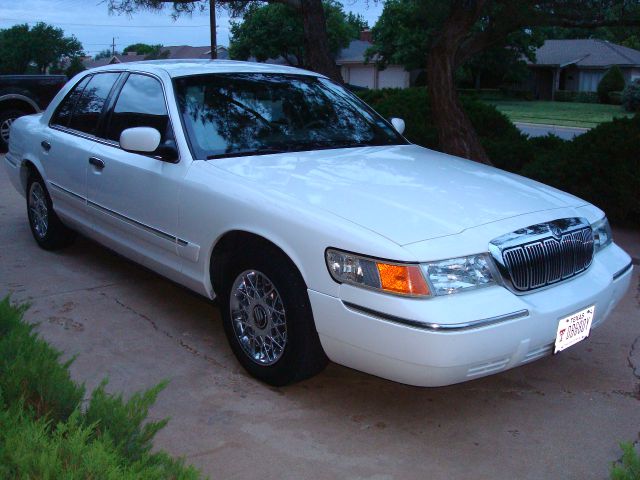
x=403, y=192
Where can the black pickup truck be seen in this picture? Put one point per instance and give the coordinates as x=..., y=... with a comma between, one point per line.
x=22, y=95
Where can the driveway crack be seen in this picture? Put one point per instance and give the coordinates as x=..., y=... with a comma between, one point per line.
x=189, y=348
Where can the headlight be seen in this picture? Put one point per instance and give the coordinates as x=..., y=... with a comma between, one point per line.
x=601, y=234
x=390, y=277
x=458, y=274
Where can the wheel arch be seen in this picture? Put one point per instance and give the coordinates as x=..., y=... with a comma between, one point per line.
x=28, y=167
x=18, y=102
x=223, y=250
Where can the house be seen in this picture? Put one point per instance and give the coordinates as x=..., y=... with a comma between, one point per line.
x=126, y=58
x=356, y=71
x=579, y=65
x=186, y=51
x=172, y=52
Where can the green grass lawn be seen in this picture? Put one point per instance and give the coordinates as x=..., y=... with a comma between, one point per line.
x=559, y=113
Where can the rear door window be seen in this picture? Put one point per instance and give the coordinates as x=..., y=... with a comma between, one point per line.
x=141, y=103
x=65, y=109
x=91, y=103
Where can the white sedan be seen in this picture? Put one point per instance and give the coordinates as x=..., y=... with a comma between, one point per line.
x=323, y=233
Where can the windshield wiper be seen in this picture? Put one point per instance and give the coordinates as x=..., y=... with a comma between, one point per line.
x=248, y=153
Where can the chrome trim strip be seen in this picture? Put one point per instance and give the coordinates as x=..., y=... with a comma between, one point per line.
x=68, y=192
x=620, y=273
x=135, y=223
x=155, y=231
x=438, y=327
x=8, y=158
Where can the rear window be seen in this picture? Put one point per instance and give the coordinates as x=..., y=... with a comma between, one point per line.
x=65, y=109
x=89, y=106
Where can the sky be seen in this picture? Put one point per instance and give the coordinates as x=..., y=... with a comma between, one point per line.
x=90, y=22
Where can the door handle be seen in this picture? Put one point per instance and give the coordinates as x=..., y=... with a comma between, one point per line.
x=96, y=162
x=45, y=145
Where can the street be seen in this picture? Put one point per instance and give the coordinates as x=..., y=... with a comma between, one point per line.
x=539, y=130
x=561, y=417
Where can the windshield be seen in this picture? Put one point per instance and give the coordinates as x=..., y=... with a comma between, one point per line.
x=236, y=114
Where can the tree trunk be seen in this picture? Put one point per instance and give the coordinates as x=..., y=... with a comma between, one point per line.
x=456, y=134
x=316, y=44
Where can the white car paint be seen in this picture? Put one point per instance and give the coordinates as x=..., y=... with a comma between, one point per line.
x=404, y=203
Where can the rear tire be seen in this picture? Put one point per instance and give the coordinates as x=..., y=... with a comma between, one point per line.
x=47, y=229
x=268, y=320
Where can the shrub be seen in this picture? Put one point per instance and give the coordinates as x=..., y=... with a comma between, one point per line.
x=615, y=98
x=45, y=434
x=612, y=81
x=548, y=167
x=631, y=97
x=29, y=369
x=599, y=166
x=505, y=145
x=578, y=97
x=565, y=96
x=629, y=467
x=603, y=168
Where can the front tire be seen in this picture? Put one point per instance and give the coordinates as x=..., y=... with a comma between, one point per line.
x=268, y=320
x=47, y=229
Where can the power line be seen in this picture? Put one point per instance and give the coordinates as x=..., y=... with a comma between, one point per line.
x=103, y=24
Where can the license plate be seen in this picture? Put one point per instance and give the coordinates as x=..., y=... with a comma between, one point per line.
x=574, y=328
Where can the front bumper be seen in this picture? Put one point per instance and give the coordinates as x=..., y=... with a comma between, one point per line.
x=422, y=356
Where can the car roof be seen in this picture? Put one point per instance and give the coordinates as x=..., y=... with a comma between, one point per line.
x=182, y=68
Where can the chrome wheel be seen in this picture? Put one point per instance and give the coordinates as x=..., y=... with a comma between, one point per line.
x=5, y=128
x=38, y=211
x=258, y=317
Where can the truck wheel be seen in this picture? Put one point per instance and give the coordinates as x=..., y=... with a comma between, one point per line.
x=6, y=119
x=47, y=229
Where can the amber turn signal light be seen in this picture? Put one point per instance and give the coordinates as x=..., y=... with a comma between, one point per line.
x=403, y=279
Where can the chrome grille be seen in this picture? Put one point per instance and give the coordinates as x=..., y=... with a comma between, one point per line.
x=548, y=260
x=543, y=254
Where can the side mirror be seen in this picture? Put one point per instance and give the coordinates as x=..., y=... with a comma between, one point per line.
x=398, y=124
x=140, y=139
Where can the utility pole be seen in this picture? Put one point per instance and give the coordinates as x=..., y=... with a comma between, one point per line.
x=113, y=46
x=212, y=26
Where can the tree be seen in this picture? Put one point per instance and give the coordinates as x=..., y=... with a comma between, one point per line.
x=150, y=52
x=49, y=45
x=106, y=53
x=453, y=33
x=75, y=67
x=316, y=44
x=275, y=30
x=15, y=49
x=142, y=48
x=42, y=45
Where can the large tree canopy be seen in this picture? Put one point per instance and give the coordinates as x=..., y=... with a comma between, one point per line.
x=275, y=30
x=454, y=33
x=314, y=25
x=42, y=45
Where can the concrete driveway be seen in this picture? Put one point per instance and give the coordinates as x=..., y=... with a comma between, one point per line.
x=561, y=417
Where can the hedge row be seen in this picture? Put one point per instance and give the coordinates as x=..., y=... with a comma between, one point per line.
x=600, y=166
x=44, y=432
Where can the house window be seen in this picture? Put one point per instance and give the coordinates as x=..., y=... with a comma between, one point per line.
x=589, y=80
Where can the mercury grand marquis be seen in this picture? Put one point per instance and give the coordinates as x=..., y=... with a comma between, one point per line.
x=323, y=233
